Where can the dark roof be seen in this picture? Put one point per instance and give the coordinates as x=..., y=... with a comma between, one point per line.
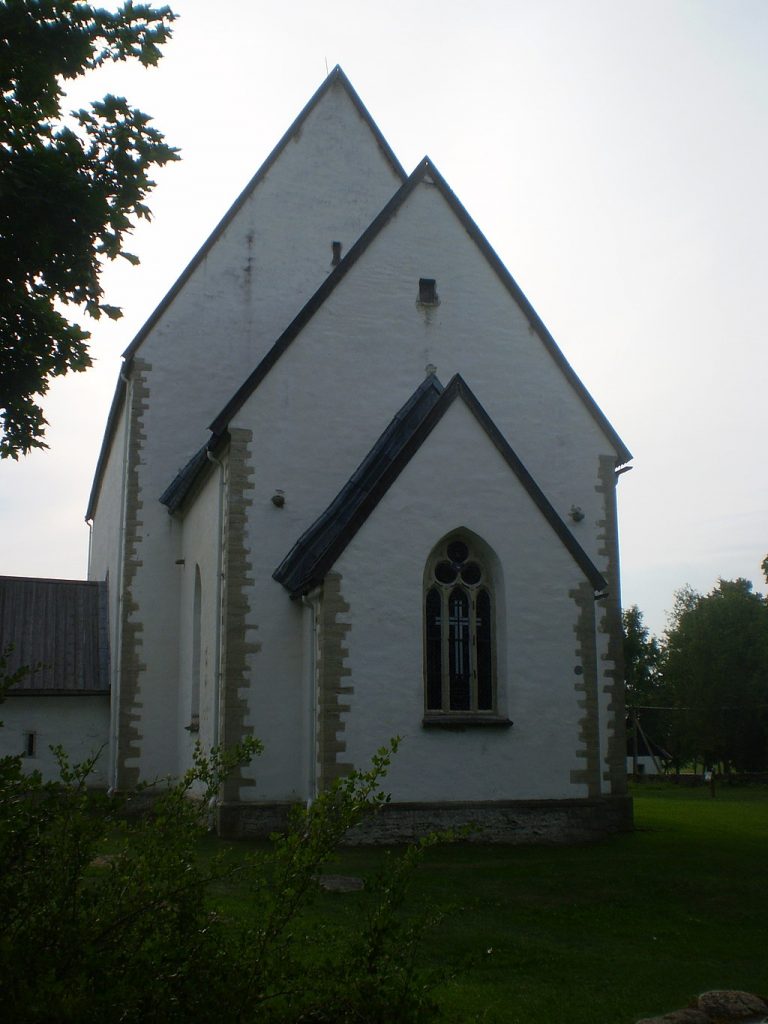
x=58, y=628
x=425, y=170
x=319, y=547
x=173, y=496
x=106, y=444
x=336, y=76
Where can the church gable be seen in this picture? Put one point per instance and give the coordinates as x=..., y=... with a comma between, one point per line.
x=265, y=258
x=418, y=239
x=353, y=352
x=276, y=233
x=322, y=544
x=444, y=572
x=458, y=507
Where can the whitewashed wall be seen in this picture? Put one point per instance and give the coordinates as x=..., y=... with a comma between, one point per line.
x=325, y=186
x=314, y=418
x=458, y=479
x=79, y=724
x=334, y=390
x=200, y=550
x=105, y=555
x=365, y=351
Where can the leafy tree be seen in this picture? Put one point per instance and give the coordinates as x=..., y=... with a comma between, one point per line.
x=71, y=186
x=716, y=666
x=644, y=686
x=642, y=657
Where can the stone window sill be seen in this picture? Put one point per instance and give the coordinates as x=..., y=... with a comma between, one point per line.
x=461, y=722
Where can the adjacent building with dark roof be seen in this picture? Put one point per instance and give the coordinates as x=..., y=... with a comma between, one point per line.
x=54, y=643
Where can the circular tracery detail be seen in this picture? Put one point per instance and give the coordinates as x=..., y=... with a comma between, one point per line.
x=457, y=564
x=457, y=551
x=445, y=572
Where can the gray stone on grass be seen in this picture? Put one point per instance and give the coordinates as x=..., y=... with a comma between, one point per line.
x=724, y=1005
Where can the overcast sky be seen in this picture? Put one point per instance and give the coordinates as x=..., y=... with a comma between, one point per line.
x=614, y=153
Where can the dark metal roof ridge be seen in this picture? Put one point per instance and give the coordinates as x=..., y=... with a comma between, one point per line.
x=424, y=169
x=364, y=503
x=189, y=476
x=336, y=75
x=317, y=546
x=42, y=692
x=99, y=584
x=175, y=493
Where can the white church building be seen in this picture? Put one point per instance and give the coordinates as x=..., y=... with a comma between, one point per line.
x=351, y=489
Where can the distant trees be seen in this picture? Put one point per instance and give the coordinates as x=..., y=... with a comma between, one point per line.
x=708, y=676
x=642, y=658
x=716, y=668
x=643, y=679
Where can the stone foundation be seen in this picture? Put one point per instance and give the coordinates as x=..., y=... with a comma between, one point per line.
x=512, y=822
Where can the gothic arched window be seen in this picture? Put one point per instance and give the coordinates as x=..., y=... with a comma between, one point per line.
x=459, y=630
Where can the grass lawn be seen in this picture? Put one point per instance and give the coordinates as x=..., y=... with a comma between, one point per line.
x=600, y=934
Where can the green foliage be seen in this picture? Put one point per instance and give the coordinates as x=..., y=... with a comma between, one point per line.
x=107, y=915
x=530, y=934
x=642, y=658
x=9, y=678
x=716, y=672
x=644, y=684
x=73, y=184
x=82, y=942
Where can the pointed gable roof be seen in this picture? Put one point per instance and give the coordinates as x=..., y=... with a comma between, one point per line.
x=319, y=547
x=336, y=76
x=424, y=172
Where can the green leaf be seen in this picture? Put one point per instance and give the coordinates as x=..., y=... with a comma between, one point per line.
x=69, y=197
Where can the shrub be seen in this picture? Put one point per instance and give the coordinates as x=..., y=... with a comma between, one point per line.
x=107, y=917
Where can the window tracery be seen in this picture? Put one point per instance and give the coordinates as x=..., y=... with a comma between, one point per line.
x=459, y=630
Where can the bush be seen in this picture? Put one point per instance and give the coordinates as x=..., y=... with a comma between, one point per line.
x=130, y=935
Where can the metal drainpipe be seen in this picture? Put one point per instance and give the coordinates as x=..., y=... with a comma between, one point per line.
x=89, y=524
x=310, y=603
x=219, y=604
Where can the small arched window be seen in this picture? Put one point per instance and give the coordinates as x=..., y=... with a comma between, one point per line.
x=459, y=663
